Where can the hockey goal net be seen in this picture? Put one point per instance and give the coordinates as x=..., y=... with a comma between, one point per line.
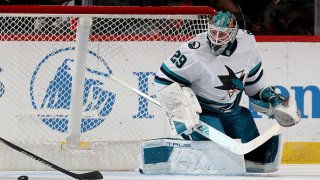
x=47, y=96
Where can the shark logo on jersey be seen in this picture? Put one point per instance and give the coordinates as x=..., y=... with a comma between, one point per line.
x=53, y=102
x=231, y=82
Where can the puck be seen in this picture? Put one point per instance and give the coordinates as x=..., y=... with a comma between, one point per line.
x=23, y=178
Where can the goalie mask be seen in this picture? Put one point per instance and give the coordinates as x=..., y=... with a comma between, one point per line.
x=222, y=31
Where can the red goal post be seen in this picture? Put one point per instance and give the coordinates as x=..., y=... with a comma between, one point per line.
x=55, y=85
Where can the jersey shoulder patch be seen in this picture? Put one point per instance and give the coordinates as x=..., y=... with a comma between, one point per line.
x=194, y=44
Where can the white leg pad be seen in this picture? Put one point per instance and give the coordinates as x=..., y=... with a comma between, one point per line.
x=171, y=156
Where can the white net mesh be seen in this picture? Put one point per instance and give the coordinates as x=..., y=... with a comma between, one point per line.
x=38, y=64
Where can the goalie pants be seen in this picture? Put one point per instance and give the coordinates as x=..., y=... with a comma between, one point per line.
x=238, y=124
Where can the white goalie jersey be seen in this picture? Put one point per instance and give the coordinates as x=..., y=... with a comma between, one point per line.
x=216, y=80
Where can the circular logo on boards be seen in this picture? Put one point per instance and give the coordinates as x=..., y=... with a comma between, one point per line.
x=51, y=89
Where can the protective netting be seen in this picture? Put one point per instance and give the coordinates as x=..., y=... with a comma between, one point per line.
x=37, y=65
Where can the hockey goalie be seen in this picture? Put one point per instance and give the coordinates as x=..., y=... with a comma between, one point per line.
x=203, y=81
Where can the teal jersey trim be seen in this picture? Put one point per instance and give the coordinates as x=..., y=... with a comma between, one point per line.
x=255, y=81
x=254, y=70
x=174, y=76
x=162, y=81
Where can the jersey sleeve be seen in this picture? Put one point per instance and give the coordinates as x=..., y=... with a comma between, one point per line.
x=181, y=67
x=256, y=79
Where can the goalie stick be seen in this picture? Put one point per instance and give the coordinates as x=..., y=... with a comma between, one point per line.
x=89, y=175
x=213, y=134
x=232, y=144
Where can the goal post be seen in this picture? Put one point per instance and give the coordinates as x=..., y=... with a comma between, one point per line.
x=56, y=95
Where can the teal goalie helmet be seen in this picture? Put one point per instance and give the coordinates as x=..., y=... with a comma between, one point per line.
x=222, y=31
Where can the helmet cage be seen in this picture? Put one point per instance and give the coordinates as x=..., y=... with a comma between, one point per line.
x=221, y=36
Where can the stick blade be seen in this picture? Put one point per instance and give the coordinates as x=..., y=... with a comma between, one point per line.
x=90, y=175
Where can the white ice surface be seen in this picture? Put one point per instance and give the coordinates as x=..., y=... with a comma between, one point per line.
x=295, y=172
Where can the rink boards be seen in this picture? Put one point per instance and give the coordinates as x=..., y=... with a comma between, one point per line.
x=293, y=67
